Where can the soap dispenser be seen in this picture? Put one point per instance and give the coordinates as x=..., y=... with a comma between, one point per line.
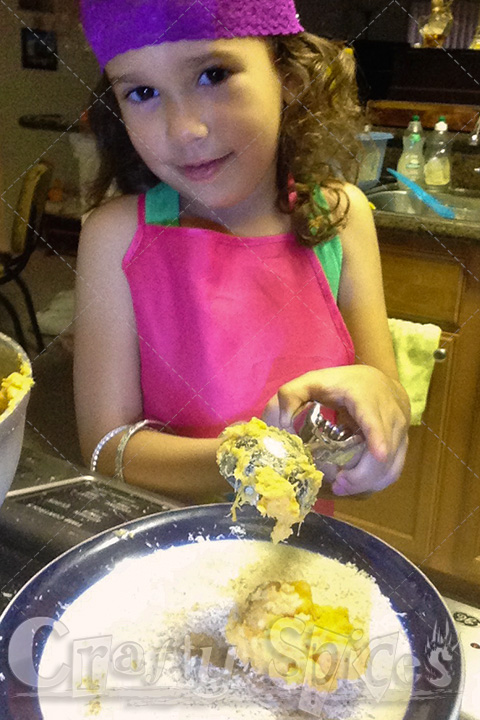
x=411, y=163
x=437, y=157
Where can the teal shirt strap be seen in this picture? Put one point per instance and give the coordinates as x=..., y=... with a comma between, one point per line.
x=329, y=253
x=162, y=206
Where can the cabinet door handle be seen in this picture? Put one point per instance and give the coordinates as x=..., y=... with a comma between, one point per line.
x=440, y=354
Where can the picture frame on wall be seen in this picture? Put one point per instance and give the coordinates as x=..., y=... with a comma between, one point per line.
x=39, y=49
x=37, y=5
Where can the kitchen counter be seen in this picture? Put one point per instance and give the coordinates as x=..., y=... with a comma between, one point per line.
x=427, y=223
x=433, y=226
x=38, y=466
x=57, y=505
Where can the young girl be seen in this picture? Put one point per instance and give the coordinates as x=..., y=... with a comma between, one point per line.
x=237, y=270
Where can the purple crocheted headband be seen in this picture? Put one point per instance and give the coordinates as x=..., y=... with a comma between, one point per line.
x=113, y=27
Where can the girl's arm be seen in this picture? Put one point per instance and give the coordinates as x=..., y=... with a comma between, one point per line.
x=107, y=369
x=361, y=297
x=369, y=391
x=362, y=304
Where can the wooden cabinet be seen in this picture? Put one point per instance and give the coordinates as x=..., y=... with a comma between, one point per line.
x=432, y=514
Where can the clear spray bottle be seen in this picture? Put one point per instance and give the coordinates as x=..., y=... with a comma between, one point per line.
x=437, y=157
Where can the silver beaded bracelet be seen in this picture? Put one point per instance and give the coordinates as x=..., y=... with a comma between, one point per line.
x=104, y=441
x=132, y=429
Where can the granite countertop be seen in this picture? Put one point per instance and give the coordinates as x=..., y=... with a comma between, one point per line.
x=455, y=229
x=429, y=224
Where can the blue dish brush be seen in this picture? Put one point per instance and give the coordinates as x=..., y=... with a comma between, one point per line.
x=438, y=207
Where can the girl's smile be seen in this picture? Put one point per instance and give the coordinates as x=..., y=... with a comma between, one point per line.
x=206, y=171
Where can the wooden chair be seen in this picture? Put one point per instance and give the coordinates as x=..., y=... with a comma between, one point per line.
x=26, y=230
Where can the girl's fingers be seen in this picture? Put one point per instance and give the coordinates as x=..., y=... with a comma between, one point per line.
x=393, y=471
x=372, y=424
x=358, y=479
x=369, y=474
x=328, y=387
x=397, y=465
x=363, y=394
x=384, y=427
x=271, y=414
x=289, y=401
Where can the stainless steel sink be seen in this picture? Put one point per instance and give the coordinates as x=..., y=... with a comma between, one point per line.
x=465, y=203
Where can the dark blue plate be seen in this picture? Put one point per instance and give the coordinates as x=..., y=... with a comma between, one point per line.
x=438, y=677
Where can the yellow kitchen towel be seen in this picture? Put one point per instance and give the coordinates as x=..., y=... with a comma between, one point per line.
x=414, y=345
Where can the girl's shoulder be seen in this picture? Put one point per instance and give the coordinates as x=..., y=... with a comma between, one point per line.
x=106, y=236
x=357, y=229
x=358, y=211
x=111, y=225
x=350, y=207
x=346, y=200
x=119, y=215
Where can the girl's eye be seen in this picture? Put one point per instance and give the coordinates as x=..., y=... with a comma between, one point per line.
x=214, y=76
x=142, y=94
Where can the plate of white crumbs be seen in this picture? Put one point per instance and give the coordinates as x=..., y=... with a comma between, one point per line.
x=187, y=615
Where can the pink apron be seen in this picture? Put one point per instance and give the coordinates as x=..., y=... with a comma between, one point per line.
x=224, y=321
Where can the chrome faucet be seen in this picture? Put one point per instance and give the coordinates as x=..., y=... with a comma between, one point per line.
x=475, y=136
x=475, y=139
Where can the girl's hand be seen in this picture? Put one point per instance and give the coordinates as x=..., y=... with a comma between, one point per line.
x=375, y=402
x=370, y=475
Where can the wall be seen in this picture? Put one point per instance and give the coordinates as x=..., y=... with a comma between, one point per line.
x=356, y=19
x=28, y=92
x=4, y=244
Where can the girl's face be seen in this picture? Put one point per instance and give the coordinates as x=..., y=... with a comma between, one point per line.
x=204, y=116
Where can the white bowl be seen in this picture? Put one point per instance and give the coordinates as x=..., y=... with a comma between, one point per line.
x=12, y=421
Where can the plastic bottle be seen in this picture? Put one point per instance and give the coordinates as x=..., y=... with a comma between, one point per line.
x=415, y=126
x=437, y=156
x=411, y=162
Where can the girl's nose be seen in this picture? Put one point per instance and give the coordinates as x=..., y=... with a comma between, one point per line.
x=184, y=124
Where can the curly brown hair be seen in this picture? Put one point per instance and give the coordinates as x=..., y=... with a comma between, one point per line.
x=318, y=142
